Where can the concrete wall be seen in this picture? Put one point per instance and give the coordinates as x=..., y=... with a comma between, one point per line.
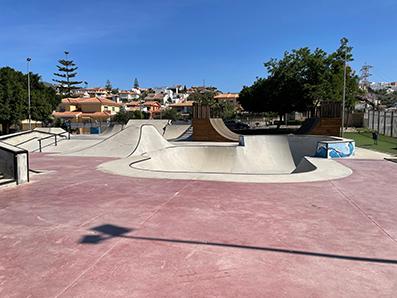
x=305, y=145
x=383, y=122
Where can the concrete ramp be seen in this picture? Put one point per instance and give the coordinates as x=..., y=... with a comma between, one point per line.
x=125, y=142
x=120, y=144
x=112, y=129
x=159, y=124
x=116, y=142
x=223, y=130
x=51, y=130
x=174, y=132
x=150, y=140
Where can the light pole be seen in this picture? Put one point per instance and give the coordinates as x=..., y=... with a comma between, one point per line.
x=29, y=115
x=343, y=98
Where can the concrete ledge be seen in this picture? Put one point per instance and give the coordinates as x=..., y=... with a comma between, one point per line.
x=14, y=163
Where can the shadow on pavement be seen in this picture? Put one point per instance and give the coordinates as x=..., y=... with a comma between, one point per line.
x=109, y=231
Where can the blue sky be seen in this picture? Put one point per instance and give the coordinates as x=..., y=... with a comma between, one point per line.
x=184, y=42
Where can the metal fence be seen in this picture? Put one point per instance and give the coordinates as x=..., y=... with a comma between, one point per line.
x=383, y=122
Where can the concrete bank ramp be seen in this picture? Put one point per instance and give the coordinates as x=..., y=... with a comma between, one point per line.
x=159, y=124
x=174, y=132
x=112, y=129
x=262, y=159
x=118, y=141
x=52, y=130
x=120, y=144
x=150, y=140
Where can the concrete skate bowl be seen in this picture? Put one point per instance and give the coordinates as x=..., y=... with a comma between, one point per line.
x=277, y=158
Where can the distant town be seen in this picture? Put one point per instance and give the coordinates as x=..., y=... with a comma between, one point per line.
x=153, y=101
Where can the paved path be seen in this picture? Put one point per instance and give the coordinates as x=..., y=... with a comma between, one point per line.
x=78, y=232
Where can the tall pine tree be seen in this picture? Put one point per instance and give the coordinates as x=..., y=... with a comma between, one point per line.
x=108, y=86
x=136, y=84
x=66, y=73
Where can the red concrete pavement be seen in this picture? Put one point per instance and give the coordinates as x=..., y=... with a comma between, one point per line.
x=77, y=232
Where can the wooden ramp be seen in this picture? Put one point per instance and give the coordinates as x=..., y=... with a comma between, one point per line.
x=327, y=121
x=210, y=129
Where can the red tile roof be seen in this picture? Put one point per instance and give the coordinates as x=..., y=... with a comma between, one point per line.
x=78, y=114
x=228, y=96
x=67, y=114
x=102, y=101
x=188, y=103
x=152, y=103
x=133, y=104
x=104, y=114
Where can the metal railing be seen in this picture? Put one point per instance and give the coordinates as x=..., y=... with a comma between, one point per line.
x=55, y=136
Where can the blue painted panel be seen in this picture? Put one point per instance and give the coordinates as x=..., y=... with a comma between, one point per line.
x=95, y=130
x=321, y=150
x=335, y=149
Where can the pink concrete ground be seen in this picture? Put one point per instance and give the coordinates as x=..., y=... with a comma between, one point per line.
x=78, y=232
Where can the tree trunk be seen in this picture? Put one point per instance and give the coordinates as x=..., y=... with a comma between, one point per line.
x=313, y=112
x=5, y=126
x=280, y=121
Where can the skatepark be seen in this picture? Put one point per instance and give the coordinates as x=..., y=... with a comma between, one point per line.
x=142, y=210
x=147, y=149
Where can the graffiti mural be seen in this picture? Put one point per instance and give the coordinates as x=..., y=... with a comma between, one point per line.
x=335, y=149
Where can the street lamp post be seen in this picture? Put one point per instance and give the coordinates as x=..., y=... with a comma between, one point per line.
x=343, y=98
x=29, y=114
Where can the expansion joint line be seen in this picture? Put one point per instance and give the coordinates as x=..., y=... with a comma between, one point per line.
x=157, y=210
x=75, y=281
x=355, y=205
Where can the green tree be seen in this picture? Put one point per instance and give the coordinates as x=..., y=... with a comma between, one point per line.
x=170, y=114
x=301, y=80
x=123, y=116
x=222, y=109
x=387, y=98
x=108, y=86
x=136, y=83
x=205, y=97
x=226, y=110
x=66, y=73
x=14, y=98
